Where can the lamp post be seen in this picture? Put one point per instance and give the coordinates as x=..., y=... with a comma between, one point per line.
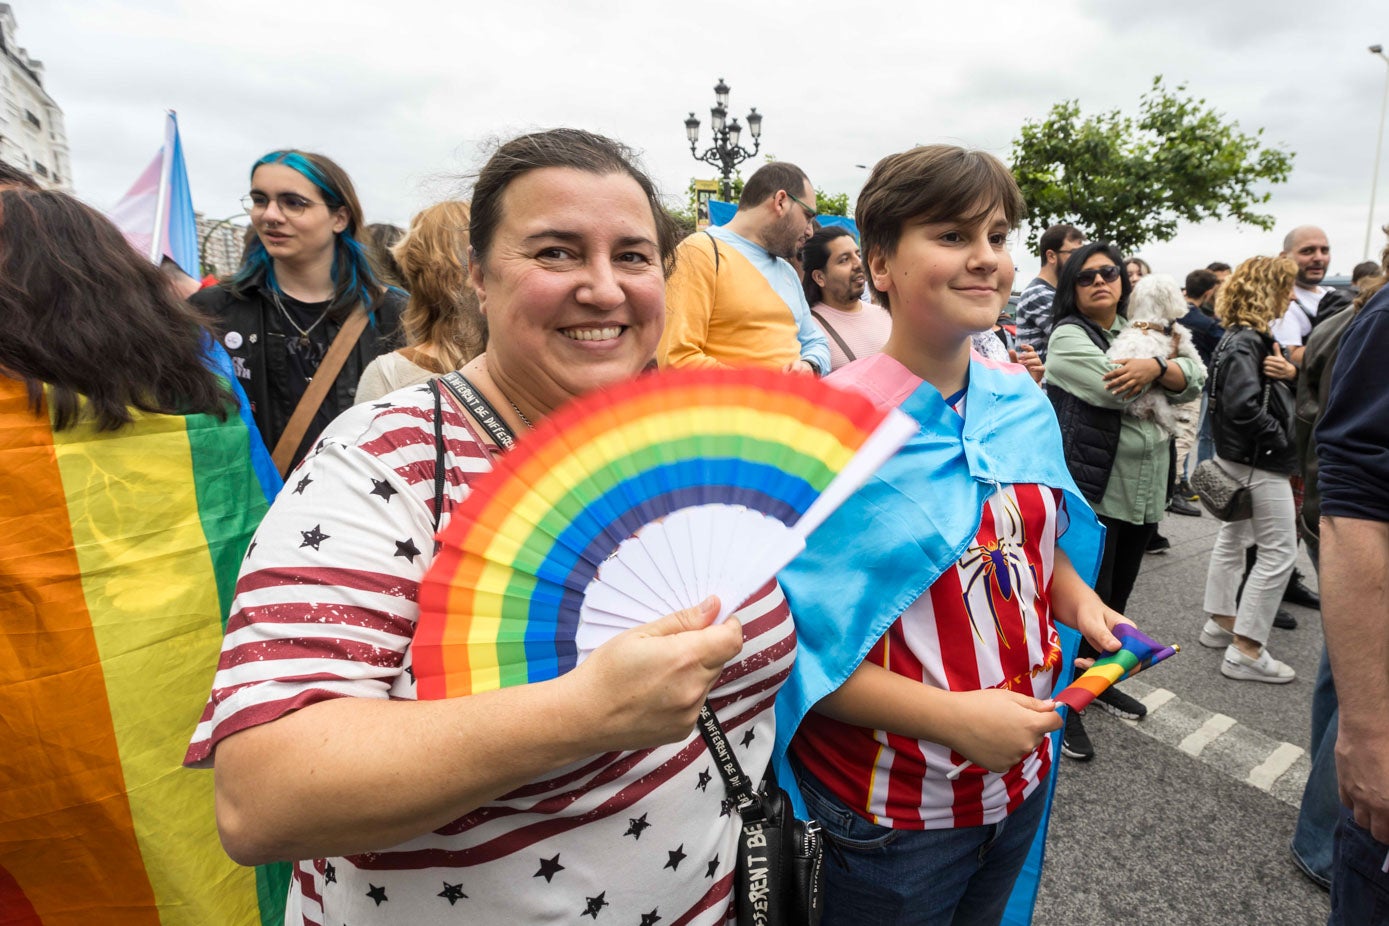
x=726, y=152
x=1379, y=147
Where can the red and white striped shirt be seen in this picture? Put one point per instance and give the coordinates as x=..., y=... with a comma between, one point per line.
x=326, y=608
x=984, y=623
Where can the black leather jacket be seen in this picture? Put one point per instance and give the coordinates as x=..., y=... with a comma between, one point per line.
x=1245, y=430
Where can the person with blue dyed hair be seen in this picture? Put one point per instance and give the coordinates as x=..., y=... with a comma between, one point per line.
x=305, y=279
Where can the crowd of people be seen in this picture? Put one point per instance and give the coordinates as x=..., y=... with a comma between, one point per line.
x=896, y=679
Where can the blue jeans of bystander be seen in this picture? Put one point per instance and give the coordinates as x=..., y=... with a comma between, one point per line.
x=951, y=877
x=1359, y=886
x=1321, y=801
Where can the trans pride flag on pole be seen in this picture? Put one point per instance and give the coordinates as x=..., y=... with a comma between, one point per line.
x=1137, y=651
x=156, y=214
x=118, y=555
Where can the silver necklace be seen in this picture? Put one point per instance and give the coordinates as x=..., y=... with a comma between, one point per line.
x=521, y=414
x=303, y=332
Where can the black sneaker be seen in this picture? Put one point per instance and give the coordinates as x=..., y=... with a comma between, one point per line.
x=1158, y=544
x=1121, y=705
x=1284, y=620
x=1075, y=742
x=1184, y=490
x=1181, y=506
x=1297, y=592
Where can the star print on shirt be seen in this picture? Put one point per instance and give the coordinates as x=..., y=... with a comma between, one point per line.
x=713, y=868
x=748, y=737
x=382, y=488
x=330, y=874
x=635, y=826
x=704, y=779
x=314, y=537
x=725, y=807
x=383, y=405
x=677, y=855
x=549, y=867
x=302, y=485
x=595, y=904
x=410, y=671
x=377, y=894
x=407, y=549
x=452, y=893
x=251, y=549
x=652, y=918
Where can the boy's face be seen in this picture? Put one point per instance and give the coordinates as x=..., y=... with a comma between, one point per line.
x=947, y=279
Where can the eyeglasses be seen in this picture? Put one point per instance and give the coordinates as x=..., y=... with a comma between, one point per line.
x=1109, y=273
x=809, y=212
x=290, y=204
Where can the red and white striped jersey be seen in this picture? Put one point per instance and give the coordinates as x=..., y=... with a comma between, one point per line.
x=326, y=608
x=984, y=623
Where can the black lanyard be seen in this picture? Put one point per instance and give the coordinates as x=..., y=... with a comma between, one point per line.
x=481, y=409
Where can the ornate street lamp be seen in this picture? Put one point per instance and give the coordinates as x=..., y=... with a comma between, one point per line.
x=726, y=152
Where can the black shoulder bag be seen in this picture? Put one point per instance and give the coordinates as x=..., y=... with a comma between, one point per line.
x=780, y=874
x=1222, y=494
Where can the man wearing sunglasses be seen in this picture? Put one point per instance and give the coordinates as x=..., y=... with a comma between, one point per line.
x=1034, y=305
x=735, y=299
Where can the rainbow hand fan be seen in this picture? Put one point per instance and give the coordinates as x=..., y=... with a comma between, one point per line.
x=632, y=503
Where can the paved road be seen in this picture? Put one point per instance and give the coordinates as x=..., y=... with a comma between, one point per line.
x=1185, y=817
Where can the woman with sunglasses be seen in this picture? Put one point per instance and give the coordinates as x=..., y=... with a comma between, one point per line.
x=1119, y=462
x=302, y=279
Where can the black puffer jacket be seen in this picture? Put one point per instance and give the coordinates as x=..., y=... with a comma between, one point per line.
x=1089, y=435
x=1245, y=429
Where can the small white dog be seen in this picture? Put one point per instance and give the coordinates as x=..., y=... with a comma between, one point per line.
x=1154, y=307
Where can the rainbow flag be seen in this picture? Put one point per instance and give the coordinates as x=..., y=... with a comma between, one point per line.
x=1137, y=651
x=118, y=555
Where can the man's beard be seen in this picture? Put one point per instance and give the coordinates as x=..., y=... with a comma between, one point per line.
x=848, y=293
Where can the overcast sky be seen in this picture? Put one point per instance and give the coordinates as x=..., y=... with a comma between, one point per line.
x=404, y=94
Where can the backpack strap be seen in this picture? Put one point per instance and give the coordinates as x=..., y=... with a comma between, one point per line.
x=829, y=329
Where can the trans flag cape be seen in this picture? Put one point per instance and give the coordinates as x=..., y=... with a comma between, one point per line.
x=118, y=555
x=914, y=518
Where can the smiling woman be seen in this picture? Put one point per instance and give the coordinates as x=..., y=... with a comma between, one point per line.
x=535, y=803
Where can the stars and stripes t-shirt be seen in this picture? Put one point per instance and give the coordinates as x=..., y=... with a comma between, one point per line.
x=326, y=608
x=985, y=623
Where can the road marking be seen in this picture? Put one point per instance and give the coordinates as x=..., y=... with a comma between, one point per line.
x=1157, y=698
x=1215, y=725
x=1278, y=762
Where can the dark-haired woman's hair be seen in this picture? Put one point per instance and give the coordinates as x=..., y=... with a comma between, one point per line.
x=83, y=313
x=13, y=176
x=571, y=148
x=1064, y=305
x=382, y=237
x=443, y=308
x=354, y=280
x=814, y=256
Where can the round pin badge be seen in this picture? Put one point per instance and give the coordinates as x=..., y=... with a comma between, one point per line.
x=232, y=340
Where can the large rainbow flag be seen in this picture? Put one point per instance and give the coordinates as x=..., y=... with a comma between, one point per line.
x=118, y=555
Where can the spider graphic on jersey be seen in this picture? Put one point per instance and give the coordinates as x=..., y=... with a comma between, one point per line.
x=999, y=562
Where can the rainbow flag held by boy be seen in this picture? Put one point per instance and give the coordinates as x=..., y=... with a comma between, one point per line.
x=118, y=556
x=1137, y=651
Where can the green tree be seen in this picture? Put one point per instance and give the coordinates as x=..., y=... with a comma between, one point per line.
x=1132, y=181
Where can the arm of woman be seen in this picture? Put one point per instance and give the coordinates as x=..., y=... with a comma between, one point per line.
x=1076, y=365
x=1241, y=399
x=351, y=775
x=993, y=728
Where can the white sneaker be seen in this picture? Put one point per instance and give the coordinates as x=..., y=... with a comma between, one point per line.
x=1240, y=667
x=1215, y=636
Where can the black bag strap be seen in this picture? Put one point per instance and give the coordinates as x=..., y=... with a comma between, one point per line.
x=438, y=453
x=735, y=781
x=829, y=329
x=479, y=408
x=715, y=242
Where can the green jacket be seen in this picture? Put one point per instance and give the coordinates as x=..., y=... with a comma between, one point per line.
x=1137, y=490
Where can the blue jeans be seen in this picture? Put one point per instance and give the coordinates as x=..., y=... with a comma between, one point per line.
x=1205, y=442
x=1359, y=889
x=1321, y=801
x=951, y=877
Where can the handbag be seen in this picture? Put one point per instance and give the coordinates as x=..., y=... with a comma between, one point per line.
x=779, y=880
x=1222, y=494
